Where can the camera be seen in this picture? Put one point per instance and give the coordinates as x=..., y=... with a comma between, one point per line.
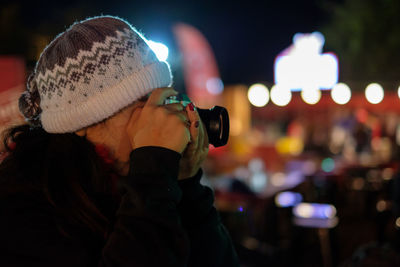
x=215, y=119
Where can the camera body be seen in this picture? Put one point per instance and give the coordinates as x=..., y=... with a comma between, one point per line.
x=215, y=119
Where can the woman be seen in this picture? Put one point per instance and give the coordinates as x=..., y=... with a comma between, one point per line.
x=104, y=174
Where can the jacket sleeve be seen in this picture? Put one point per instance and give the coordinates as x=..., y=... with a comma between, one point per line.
x=210, y=242
x=148, y=230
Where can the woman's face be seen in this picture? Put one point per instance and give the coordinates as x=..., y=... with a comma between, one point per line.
x=112, y=134
x=115, y=128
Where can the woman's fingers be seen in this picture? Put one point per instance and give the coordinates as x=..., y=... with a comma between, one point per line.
x=159, y=95
x=157, y=99
x=174, y=107
x=183, y=116
x=195, y=125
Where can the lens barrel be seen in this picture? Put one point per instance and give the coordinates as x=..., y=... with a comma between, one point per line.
x=216, y=120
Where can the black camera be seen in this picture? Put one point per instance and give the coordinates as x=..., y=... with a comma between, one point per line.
x=215, y=119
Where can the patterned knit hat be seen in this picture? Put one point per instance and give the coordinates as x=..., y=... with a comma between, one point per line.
x=88, y=73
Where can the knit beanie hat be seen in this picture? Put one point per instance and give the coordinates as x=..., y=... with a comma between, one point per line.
x=90, y=72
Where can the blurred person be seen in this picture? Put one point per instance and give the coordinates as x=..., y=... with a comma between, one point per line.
x=103, y=173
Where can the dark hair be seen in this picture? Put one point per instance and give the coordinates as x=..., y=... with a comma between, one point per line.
x=64, y=168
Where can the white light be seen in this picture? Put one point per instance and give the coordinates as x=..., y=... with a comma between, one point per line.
x=303, y=63
x=160, y=49
x=214, y=86
x=374, y=93
x=258, y=95
x=311, y=95
x=304, y=210
x=280, y=95
x=398, y=91
x=341, y=93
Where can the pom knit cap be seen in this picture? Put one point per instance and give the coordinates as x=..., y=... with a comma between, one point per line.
x=88, y=73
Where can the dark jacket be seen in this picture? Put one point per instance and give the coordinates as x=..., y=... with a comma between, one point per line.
x=159, y=222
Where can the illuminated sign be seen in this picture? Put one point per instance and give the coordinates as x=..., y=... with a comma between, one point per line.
x=303, y=66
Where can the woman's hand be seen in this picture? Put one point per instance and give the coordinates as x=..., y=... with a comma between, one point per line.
x=197, y=150
x=157, y=125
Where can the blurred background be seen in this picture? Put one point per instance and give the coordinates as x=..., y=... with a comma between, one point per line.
x=310, y=175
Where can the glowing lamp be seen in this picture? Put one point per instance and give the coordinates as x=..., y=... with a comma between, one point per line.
x=311, y=95
x=280, y=95
x=341, y=94
x=374, y=93
x=258, y=95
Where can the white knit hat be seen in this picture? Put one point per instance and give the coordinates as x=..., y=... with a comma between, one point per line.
x=88, y=73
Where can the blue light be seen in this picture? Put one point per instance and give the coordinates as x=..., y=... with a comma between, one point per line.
x=240, y=209
x=287, y=199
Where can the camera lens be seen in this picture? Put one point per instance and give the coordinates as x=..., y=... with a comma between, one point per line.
x=216, y=121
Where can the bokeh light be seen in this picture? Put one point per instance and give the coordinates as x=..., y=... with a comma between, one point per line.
x=374, y=93
x=314, y=210
x=341, y=93
x=278, y=179
x=256, y=165
x=311, y=95
x=398, y=222
x=215, y=86
x=381, y=205
x=258, y=182
x=160, y=49
x=398, y=91
x=304, y=64
x=303, y=210
x=289, y=146
x=309, y=167
x=328, y=165
x=288, y=199
x=280, y=95
x=258, y=95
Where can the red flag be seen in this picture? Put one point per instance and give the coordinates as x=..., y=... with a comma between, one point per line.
x=203, y=84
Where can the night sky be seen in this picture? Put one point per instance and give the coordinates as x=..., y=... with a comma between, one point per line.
x=245, y=35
